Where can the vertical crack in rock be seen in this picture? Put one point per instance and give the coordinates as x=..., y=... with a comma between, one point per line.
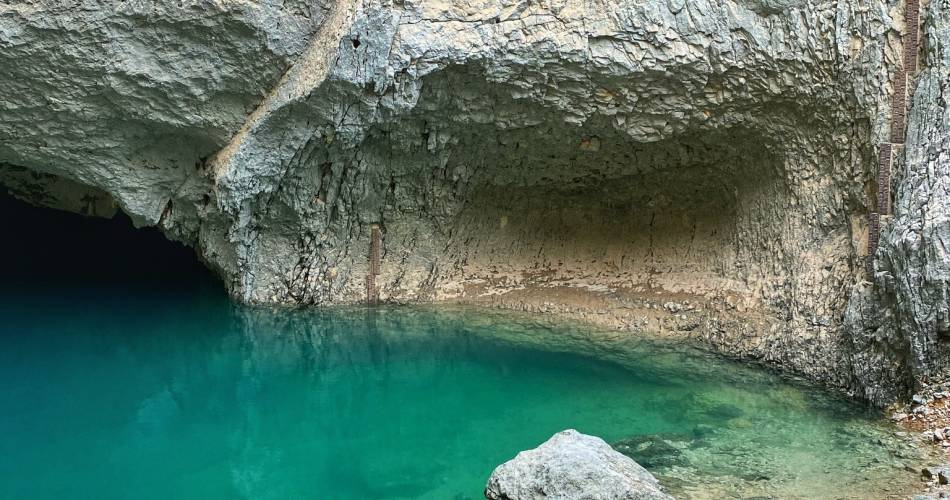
x=372, y=291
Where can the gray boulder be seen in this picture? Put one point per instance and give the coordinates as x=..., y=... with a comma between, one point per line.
x=572, y=465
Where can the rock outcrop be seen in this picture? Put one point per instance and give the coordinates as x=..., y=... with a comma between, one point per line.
x=569, y=466
x=716, y=156
x=901, y=322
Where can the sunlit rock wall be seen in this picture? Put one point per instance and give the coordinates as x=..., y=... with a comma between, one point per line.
x=699, y=152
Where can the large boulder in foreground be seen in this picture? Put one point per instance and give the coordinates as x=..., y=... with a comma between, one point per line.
x=572, y=465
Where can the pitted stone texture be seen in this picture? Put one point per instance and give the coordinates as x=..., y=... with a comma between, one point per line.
x=130, y=97
x=698, y=149
x=421, y=91
x=573, y=466
x=877, y=355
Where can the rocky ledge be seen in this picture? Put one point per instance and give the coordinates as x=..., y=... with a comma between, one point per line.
x=700, y=168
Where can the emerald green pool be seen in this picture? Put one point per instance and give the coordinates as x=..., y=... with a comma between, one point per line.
x=127, y=374
x=116, y=396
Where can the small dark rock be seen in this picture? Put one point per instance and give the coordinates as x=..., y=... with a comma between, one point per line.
x=724, y=411
x=702, y=431
x=939, y=472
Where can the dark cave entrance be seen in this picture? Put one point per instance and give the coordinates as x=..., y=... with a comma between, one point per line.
x=47, y=250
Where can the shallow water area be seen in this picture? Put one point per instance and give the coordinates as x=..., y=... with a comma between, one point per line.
x=156, y=386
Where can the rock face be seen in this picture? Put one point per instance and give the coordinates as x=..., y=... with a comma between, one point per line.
x=901, y=322
x=569, y=466
x=715, y=154
x=128, y=97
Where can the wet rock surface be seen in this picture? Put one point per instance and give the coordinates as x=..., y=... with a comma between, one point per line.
x=572, y=465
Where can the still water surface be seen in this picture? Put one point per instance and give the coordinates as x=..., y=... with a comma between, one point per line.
x=134, y=394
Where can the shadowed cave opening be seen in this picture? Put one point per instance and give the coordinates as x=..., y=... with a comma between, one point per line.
x=51, y=250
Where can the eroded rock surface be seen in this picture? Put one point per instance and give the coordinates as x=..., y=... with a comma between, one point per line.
x=901, y=323
x=701, y=169
x=129, y=96
x=569, y=466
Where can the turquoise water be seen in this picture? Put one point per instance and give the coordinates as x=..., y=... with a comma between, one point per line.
x=125, y=373
x=121, y=396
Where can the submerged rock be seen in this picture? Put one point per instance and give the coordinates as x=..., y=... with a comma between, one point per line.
x=569, y=466
x=650, y=450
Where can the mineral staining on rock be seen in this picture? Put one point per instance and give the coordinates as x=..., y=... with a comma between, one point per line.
x=569, y=466
x=900, y=323
x=715, y=156
x=50, y=191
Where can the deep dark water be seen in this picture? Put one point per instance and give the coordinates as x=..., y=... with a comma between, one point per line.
x=126, y=373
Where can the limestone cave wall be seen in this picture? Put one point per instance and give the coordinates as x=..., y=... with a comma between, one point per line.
x=700, y=169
